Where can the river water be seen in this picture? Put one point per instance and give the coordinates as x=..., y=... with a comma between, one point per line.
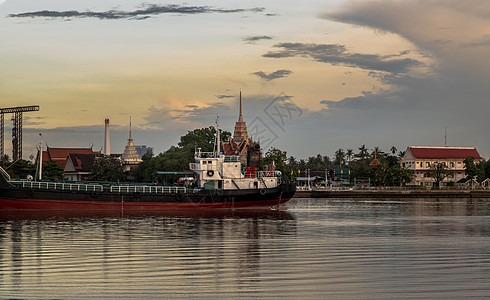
x=317, y=249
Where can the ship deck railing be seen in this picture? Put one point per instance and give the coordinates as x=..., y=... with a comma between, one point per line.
x=147, y=189
x=59, y=186
x=99, y=188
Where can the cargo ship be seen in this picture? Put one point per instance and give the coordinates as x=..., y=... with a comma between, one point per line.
x=217, y=182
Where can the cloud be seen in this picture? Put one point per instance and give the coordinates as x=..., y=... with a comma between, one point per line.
x=147, y=11
x=414, y=109
x=224, y=96
x=337, y=55
x=255, y=38
x=274, y=75
x=190, y=116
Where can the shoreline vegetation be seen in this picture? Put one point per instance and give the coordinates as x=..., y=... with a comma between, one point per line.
x=374, y=169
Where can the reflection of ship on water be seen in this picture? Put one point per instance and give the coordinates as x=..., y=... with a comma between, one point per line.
x=158, y=247
x=67, y=214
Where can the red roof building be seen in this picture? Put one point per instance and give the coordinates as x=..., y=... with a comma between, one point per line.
x=444, y=152
x=59, y=155
x=421, y=159
x=78, y=166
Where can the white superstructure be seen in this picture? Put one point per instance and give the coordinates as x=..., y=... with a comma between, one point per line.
x=223, y=172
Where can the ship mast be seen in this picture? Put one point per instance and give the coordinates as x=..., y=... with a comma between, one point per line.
x=217, y=143
x=39, y=167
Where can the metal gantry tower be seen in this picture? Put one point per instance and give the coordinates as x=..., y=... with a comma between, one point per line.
x=16, y=130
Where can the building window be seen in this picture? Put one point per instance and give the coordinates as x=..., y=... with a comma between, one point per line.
x=427, y=164
x=451, y=164
x=204, y=162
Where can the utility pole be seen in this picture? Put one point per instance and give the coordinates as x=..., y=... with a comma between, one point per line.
x=16, y=130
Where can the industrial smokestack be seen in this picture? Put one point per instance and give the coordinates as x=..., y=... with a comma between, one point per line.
x=107, y=140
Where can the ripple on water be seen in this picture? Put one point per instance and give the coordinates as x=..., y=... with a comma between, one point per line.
x=318, y=249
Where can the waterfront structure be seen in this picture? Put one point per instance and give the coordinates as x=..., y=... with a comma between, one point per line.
x=78, y=166
x=420, y=160
x=242, y=145
x=16, y=130
x=130, y=157
x=60, y=155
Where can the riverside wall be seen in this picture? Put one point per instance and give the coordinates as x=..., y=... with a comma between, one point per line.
x=387, y=193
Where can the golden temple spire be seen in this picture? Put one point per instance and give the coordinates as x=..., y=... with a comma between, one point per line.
x=240, y=118
x=130, y=128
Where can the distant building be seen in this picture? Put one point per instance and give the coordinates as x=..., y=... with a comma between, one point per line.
x=79, y=166
x=420, y=160
x=130, y=157
x=60, y=155
x=143, y=149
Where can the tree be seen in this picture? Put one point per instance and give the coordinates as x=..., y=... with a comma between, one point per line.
x=107, y=168
x=349, y=153
x=277, y=156
x=202, y=138
x=20, y=169
x=393, y=150
x=363, y=153
x=52, y=171
x=439, y=172
x=177, y=158
x=472, y=170
x=377, y=151
x=339, y=158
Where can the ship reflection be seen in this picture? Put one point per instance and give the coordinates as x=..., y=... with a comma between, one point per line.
x=202, y=245
x=7, y=215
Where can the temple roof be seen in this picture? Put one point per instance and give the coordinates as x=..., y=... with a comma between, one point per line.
x=59, y=155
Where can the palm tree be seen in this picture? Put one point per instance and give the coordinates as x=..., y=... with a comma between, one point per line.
x=363, y=152
x=292, y=162
x=377, y=151
x=393, y=150
x=349, y=154
x=319, y=161
x=339, y=157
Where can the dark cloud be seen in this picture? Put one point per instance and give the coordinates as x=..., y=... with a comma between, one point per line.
x=337, y=54
x=224, y=96
x=274, y=75
x=180, y=118
x=480, y=42
x=255, y=38
x=143, y=13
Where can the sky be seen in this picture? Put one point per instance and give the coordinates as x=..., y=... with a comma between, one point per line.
x=315, y=76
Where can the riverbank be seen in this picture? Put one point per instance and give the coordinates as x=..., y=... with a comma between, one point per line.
x=419, y=193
